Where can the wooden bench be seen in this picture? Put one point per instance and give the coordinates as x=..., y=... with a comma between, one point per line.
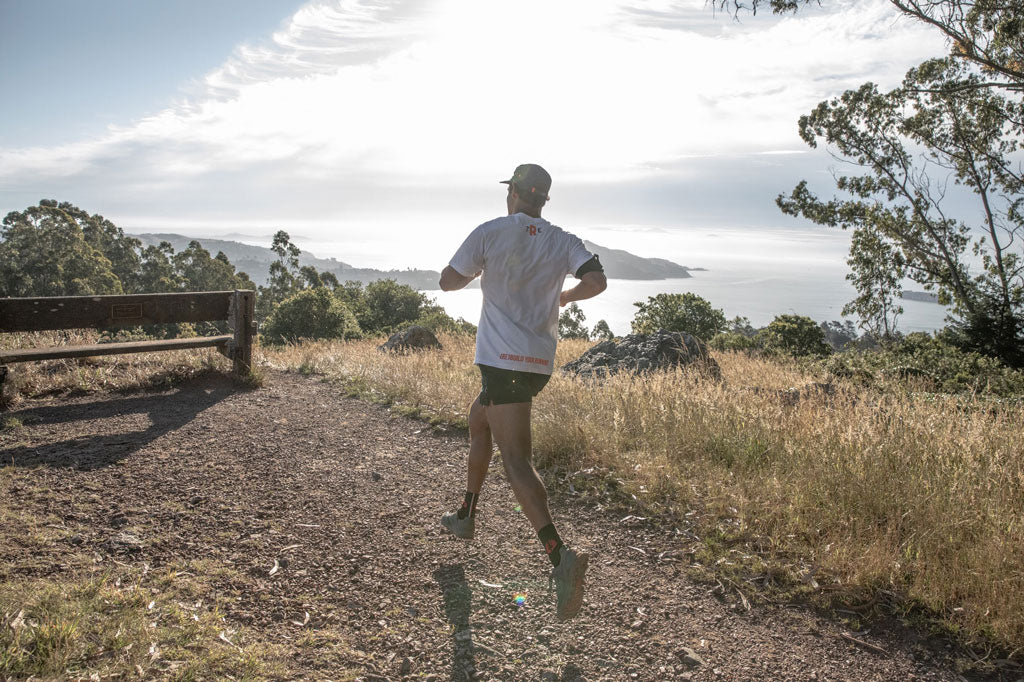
x=104, y=312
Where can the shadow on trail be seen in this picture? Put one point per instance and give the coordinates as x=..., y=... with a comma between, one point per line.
x=457, y=596
x=571, y=673
x=166, y=413
x=451, y=578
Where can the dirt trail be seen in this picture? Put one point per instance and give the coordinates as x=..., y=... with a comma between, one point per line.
x=346, y=496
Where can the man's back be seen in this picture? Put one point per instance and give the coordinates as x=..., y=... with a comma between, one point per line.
x=525, y=261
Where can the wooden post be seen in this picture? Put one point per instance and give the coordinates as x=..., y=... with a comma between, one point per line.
x=241, y=314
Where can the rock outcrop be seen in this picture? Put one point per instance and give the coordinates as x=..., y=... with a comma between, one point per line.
x=639, y=353
x=413, y=338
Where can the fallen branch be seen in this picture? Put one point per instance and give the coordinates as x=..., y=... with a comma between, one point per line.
x=861, y=643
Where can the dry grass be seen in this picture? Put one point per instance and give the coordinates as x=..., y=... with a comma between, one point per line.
x=916, y=495
x=127, y=625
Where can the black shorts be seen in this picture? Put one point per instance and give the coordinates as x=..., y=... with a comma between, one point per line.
x=504, y=386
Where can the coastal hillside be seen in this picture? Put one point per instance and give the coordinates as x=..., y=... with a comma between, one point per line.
x=255, y=261
x=621, y=264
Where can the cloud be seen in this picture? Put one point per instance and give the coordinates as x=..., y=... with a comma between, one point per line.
x=399, y=103
x=320, y=38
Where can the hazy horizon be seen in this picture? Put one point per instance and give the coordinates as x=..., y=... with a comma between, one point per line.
x=753, y=273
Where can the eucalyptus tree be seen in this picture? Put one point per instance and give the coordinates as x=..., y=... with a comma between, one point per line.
x=44, y=252
x=943, y=125
x=197, y=271
x=956, y=120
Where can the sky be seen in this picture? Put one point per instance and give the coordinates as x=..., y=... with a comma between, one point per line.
x=383, y=126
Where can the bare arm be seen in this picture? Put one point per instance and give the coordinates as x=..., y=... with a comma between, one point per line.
x=590, y=285
x=452, y=279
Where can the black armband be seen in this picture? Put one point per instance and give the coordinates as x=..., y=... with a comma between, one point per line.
x=592, y=265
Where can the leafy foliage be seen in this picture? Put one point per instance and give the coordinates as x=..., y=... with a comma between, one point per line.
x=284, y=279
x=57, y=249
x=838, y=335
x=434, y=318
x=314, y=313
x=157, y=273
x=45, y=252
x=380, y=308
x=197, y=271
x=110, y=240
x=351, y=292
x=959, y=118
x=735, y=341
x=794, y=335
x=570, y=323
x=602, y=332
x=741, y=325
x=877, y=270
x=389, y=305
x=679, y=313
x=988, y=34
x=923, y=361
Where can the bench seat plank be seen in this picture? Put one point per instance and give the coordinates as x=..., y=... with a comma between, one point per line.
x=56, y=352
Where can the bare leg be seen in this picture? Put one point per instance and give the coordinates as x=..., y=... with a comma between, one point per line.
x=510, y=426
x=480, y=448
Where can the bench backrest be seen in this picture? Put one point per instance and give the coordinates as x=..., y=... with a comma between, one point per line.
x=81, y=312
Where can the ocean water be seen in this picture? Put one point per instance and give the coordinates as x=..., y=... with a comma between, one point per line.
x=758, y=296
x=754, y=274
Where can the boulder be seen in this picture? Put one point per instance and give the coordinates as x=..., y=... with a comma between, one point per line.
x=639, y=353
x=413, y=338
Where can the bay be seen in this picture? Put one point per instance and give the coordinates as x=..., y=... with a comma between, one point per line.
x=755, y=274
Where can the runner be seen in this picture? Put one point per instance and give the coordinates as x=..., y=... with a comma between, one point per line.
x=524, y=260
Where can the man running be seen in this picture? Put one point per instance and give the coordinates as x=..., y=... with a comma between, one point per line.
x=524, y=260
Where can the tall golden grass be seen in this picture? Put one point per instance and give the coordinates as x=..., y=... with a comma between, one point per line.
x=918, y=495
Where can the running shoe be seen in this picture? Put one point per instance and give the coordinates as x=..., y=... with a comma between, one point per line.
x=568, y=578
x=460, y=528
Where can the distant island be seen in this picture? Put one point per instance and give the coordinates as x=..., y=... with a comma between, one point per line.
x=923, y=296
x=620, y=264
x=255, y=262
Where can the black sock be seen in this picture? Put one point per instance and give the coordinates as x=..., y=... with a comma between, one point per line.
x=552, y=543
x=468, y=507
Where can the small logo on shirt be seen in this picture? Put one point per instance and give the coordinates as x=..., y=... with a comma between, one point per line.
x=533, y=230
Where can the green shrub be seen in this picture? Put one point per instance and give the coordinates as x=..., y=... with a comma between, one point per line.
x=311, y=314
x=679, y=313
x=735, y=341
x=437, y=320
x=794, y=335
x=919, y=357
x=388, y=306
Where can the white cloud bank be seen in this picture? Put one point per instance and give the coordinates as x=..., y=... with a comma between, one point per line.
x=365, y=107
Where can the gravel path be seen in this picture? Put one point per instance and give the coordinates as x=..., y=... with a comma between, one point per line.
x=345, y=497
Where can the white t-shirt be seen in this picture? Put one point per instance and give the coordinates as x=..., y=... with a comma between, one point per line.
x=525, y=261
